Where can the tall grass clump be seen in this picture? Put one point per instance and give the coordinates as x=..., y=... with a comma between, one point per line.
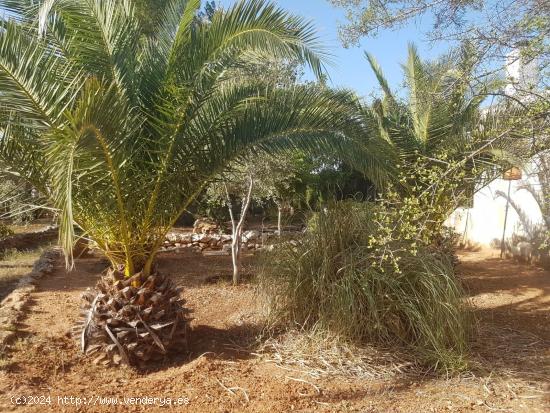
x=341, y=278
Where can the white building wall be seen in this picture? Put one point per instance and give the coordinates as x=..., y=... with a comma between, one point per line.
x=485, y=221
x=522, y=76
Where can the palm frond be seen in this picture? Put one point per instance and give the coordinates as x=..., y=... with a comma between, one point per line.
x=99, y=36
x=389, y=98
x=35, y=82
x=129, y=126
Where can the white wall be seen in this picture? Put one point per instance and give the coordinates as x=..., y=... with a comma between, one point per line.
x=486, y=218
x=522, y=76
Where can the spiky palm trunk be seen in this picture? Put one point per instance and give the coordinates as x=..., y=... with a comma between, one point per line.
x=132, y=320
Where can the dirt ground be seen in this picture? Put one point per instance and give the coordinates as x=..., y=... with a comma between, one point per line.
x=221, y=372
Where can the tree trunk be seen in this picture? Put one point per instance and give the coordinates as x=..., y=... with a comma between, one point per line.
x=279, y=219
x=236, y=257
x=237, y=229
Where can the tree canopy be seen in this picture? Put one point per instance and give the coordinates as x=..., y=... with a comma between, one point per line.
x=495, y=28
x=122, y=129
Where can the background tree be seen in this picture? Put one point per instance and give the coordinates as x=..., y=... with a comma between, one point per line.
x=501, y=35
x=149, y=13
x=281, y=181
x=440, y=122
x=235, y=187
x=328, y=179
x=19, y=202
x=494, y=27
x=260, y=180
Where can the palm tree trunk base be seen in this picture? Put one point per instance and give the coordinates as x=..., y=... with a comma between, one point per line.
x=133, y=321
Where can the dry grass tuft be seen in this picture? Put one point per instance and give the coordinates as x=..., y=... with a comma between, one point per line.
x=333, y=279
x=319, y=354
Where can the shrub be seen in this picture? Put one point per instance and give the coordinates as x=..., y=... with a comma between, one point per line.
x=5, y=231
x=338, y=278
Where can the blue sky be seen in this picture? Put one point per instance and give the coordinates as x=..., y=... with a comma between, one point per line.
x=351, y=69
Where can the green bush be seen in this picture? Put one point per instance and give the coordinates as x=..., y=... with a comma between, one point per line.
x=340, y=278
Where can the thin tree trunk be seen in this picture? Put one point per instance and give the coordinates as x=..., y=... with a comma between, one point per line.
x=234, y=243
x=279, y=219
x=237, y=229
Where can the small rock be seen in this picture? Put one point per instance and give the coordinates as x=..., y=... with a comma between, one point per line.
x=251, y=235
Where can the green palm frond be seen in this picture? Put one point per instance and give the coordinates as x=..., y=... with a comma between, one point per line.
x=122, y=128
x=100, y=37
x=34, y=82
x=441, y=120
x=389, y=98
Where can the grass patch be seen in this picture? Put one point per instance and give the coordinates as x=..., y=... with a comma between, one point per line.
x=15, y=264
x=27, y=257
x=30, y=227
x=332, y=280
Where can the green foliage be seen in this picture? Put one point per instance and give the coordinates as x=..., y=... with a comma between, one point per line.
x=492, y=27
x=446, y=146
x=440, y=118
x=276, y=179
x=384, y=271
x=19, y=203
x=354, y=276
x=149, y=13
x=296, y=181
x=330, y=180
x=122, y=130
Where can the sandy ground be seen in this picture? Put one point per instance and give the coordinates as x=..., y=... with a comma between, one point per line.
x=221, y=372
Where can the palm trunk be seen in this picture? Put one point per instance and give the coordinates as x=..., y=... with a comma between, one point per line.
x=134, y=315
x=132, y=320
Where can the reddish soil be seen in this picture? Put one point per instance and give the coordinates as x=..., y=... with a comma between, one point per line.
x=221, y=373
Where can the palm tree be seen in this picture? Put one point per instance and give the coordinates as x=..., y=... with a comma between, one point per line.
x=121, y=128
x=440, y=122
